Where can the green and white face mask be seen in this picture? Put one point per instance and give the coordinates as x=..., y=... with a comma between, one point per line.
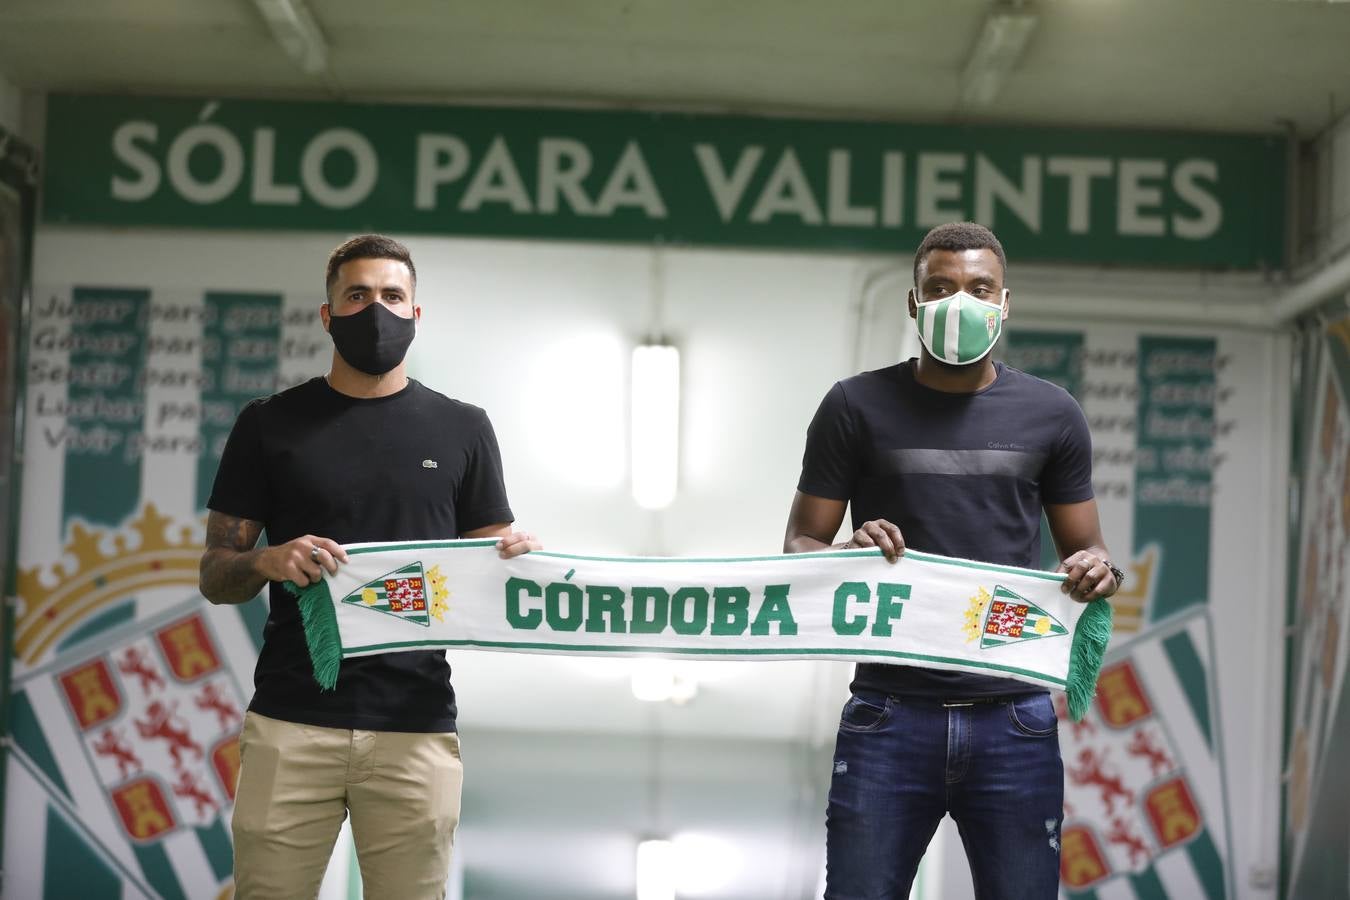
x=960, y=329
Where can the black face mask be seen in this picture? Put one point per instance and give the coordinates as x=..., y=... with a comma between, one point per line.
x=373, y=340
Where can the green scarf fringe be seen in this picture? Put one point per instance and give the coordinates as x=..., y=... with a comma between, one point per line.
x=321, y=630
x=1085, y=656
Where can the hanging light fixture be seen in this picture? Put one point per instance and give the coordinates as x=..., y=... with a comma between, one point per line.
x=998, y=49
x=295, y=29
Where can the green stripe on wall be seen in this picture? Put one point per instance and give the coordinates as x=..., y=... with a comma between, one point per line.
x=27, y=733
x=1147, y=885
x=71, y=869
x=1205, y=858
x=103, y=477
x=218, y=848
x=1172, y=493
x=1191, y=675
x=159, y=871
x=241, y=358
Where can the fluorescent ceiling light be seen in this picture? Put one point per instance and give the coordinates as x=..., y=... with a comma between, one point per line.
x=656, y=424
x=656, y=870
x=998, y=49
x=296, y=30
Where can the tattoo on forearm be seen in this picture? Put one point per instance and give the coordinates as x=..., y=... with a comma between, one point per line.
x=228, y=531
x=227, y=574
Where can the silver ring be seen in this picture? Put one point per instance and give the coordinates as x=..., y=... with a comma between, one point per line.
x=314, y=554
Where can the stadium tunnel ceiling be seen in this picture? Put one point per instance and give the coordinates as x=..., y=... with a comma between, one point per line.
x=1217, y=65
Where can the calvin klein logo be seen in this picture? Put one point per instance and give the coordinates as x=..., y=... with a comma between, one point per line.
x=428, y=463
x=1005, y=445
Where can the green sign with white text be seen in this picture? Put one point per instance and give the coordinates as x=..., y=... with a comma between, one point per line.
x=1052, y=194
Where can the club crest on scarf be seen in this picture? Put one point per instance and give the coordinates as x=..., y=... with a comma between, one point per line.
x=1005, y=617
x=408, y=593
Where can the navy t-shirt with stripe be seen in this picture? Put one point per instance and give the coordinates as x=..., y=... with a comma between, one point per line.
x=962, y=475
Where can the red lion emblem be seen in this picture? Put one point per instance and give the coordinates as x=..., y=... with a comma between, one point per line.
x=110, y=743
x=135, y=664
x=1090, y=771
x=212, y=699
x=160, y=723
x=188, y=788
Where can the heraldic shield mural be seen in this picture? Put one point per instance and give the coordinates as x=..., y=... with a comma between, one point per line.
x=128, y=689
x=126, y=726
x=148, y=707
x=1144, y=800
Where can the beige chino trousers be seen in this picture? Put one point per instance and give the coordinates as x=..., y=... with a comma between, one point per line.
x=298, y=782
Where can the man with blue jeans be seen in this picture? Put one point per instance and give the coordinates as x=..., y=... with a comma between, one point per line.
x=950, y=453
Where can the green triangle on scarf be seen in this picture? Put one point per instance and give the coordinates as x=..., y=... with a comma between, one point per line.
x=401, y=593
x=1010, y=618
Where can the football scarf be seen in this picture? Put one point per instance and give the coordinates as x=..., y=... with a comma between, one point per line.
x=925, y=610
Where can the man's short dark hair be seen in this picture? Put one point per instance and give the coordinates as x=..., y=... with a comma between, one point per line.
x=958, y=236
x=368, y=246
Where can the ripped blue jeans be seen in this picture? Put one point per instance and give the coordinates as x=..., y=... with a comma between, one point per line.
x=901, y=763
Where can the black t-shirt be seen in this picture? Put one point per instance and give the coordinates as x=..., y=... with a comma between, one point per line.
x=415, y=465
x=962, y=475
